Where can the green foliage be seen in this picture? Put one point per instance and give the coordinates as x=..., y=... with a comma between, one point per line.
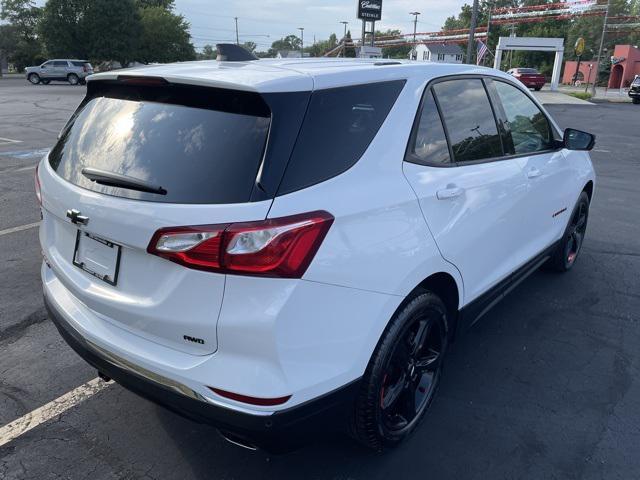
x=164, y=37
x=290, y=42
x=318, y=49
x=250, y=46
x=580, y=95
x=61, y=28
x=589, y=27
x=166, y=4
x=209, y=52
x=19, y=40
x=401, y=51
x=110, y=28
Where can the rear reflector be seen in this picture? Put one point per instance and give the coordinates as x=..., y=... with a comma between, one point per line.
x=279, y=247
x=263, y=402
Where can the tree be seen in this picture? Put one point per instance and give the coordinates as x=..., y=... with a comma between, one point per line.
x=208, y=53
x=400, y=51
x=166, y=4
x=22, y=46
x=164, y=37
x=110, y=28
x=61, y=29
x=250, y=46
x=290, y=42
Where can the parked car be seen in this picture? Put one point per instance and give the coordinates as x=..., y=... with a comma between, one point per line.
x=634, y=90
x=530, y=77
x=288, y=248
x=73, y=71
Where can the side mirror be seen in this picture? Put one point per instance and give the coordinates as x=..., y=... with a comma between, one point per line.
x=578, y=140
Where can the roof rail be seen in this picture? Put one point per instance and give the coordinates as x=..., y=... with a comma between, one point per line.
x=230, y=52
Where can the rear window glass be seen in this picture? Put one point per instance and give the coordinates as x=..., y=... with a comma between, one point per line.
x=338, y=127
x=527, y=70
x=197, y=155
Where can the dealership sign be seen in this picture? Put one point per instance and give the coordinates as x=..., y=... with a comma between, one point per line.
x=370, y=10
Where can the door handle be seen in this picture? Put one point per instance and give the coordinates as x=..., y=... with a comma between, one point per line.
x=451, y=191
x=533, y=173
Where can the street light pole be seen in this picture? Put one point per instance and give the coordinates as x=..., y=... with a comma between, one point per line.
x=344, y=37
x=415, y=29
x=604, y=29
x=237, y=37
x=301, y=40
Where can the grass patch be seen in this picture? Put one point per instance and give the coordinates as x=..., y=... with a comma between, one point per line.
x=580, y=95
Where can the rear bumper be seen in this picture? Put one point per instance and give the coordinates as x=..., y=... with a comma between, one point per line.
x=275, y=432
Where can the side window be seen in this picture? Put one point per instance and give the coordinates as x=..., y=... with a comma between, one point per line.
x=428, y=144
x=529, y=128
x=469, y=119
x=47, y=64
x=60, y=63
x=338, y=127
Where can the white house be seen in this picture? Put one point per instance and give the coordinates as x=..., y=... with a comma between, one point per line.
x=433, y=52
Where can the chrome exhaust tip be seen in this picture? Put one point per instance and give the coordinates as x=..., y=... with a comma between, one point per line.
x=238, y=441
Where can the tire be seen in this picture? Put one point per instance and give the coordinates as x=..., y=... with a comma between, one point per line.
x=537, y=89
x=34, y=78
x=73, y=79
x=568, y=250
x=403, y=374
x=635, y=101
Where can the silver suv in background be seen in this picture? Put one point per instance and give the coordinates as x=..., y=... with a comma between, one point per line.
x=72, y=71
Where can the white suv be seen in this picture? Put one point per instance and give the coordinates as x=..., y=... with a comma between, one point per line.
x=280, y=247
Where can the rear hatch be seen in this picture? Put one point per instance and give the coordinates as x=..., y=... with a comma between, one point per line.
x=165, y=155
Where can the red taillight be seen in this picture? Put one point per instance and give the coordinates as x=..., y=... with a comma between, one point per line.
x=280, y=247
x=263, y=402
x=142, y=81
x=37, y=182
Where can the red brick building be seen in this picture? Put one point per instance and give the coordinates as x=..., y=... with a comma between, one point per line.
x=625, y=66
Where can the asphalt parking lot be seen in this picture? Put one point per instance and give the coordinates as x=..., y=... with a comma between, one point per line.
x=546, y=386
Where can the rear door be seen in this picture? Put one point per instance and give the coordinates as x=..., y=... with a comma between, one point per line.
x=60, y=68
x=472, y=198
x=202, y=149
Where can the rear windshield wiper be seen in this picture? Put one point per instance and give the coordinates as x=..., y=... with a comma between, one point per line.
x=112, y=179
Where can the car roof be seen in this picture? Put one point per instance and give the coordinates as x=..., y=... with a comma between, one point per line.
x=287, y=75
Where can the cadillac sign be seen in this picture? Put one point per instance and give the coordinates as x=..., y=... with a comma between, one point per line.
x=370, y=10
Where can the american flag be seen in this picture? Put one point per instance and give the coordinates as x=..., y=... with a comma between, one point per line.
x=482, y=51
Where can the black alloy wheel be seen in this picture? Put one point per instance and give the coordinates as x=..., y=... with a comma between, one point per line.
x=412, y=372
x=569, y=248
x=403, y=374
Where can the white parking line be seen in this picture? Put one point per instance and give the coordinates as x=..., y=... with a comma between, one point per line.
x=19, y=229
x=31, y=420
x=8, y=141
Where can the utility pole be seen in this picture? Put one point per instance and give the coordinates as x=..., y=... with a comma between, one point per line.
x=302, y=40
x=414, y=53
x=472, y=30
x=237, y=36
x=488, y=31
x=604, y=30
x=344, y=38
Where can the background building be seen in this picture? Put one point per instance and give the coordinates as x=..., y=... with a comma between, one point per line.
x=451, y=53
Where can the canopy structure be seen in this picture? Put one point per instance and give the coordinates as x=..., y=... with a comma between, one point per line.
x=539, y=44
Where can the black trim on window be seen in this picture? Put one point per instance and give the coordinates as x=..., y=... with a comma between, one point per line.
x=412, y=159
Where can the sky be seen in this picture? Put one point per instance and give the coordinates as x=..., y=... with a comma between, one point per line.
x=264, y=21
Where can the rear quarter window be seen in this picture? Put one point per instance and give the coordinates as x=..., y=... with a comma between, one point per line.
x=338, y=127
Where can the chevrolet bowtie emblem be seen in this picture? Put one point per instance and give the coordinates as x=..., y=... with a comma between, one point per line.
x=76, y=218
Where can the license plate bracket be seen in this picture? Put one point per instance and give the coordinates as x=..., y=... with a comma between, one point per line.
x=98, y=257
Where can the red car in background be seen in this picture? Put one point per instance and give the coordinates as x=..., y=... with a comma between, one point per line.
x=530, y=77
